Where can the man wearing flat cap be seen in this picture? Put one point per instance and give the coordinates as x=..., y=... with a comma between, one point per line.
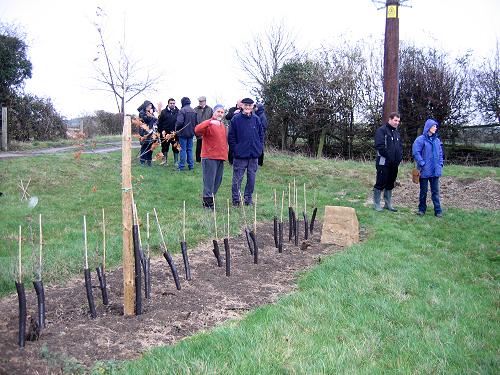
x=203, y=112
x=246, y=140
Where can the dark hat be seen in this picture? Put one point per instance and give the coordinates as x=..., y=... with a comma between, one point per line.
x=247, y=101
x=145, y=104
x=185, y=101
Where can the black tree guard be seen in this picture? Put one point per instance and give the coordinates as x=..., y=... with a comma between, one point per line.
x=313, y=217
x=255, y=247
x=186, y=260
x=228, y=257
x=21, y=297
x=147, y=277
x=138, y=270
x=306, y=226
x=173, y=268
x=280, y=239
x=249, y=240
x=102, y=285
x=275, y=231
x=296, y=230
x=40, y=296
x=217, y=253
x=90, y=296
x=290, y=223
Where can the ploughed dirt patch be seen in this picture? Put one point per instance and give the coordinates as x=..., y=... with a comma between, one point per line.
x=72, y=340
x=471, y=194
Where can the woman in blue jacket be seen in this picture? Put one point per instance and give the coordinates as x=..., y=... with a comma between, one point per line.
x=428, y=154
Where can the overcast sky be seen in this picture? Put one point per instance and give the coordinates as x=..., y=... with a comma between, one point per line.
x=193, y=42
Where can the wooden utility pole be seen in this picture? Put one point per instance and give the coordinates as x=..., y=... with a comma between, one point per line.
x=4, y=128
x=127, y=199
x=391, y=58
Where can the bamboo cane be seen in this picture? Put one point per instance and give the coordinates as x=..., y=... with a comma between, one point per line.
x=20, y=268
x=103, y=242
x=85, y=241
x=40, y=246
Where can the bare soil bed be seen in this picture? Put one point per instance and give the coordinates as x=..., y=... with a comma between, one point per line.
x=72, y=340
x=471, y=194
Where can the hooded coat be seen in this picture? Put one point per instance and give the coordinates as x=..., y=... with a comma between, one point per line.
x=186, y=120
x=428, y=152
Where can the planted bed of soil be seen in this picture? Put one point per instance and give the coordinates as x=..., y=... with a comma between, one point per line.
x=72, y=340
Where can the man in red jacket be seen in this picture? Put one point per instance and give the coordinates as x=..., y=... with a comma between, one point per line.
x=213, y=153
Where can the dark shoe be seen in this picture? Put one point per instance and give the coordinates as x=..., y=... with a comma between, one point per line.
x=420, y=213
x=236, y=204
x=248, y=203
x=440, y=215
x=208, y=202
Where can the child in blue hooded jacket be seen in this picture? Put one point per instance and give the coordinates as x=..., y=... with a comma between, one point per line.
x=428, y=154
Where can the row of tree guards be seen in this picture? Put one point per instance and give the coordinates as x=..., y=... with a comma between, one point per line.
x=142, y=256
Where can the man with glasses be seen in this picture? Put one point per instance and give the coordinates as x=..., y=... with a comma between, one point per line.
x=246, y=140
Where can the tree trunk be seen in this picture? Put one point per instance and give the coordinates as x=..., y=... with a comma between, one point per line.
x=321, y=143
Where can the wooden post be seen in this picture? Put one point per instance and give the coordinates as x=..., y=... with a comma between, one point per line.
x=127, y=199
x=391, y=59
x=4, y=128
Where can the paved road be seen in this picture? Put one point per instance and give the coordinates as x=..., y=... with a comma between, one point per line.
x=104, y=148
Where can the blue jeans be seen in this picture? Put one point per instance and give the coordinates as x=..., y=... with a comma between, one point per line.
x=424, y=184
x=212, y=176
x=239, y=168
x=186, y=152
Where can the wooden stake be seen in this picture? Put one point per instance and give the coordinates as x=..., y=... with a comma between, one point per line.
x=147, y=232
x=255, y=215
x=275, y=206
x=184, y=222
x=228, y=218
x=305, y=201
x=127, y=196
x=85, y=242
x=41, y=244
x=282, y=202
x=159, y=230
x=289, y=196
x=103, y=242
x=215, y=219
x=20, y=269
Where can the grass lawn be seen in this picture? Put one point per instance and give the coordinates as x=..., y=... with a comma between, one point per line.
x=420, y=295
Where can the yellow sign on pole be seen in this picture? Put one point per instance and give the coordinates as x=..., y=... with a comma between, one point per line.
x=392, y=11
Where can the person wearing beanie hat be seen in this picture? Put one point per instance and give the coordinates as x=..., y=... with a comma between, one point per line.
x=427, y=151
x=246, y=142
x=203, y=112
x=213, y=153
x=184, y=129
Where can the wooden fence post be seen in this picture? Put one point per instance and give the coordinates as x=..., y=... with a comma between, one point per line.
x=127, y=198
x=4, y=128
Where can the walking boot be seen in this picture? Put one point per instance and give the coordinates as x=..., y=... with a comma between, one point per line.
x=388, y=201
x=176, y=159
x=208, y=203
x=376, y=200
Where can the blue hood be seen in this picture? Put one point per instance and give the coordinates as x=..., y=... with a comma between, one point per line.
x=429, y=124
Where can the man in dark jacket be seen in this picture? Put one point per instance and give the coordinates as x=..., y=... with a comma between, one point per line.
x=389, y=155
x=184, y=127
x=203, y=112
x=166, y=125
x=245, y=140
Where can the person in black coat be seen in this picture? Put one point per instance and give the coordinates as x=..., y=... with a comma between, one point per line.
x=146, y=114
x=389, y=155
x=166, y=125
x=184, y=127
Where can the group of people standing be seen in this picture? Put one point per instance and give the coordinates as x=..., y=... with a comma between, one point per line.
x=242, y=143
x=427, y=151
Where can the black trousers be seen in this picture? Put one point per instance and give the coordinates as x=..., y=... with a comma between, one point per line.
x=386, y=177
x=198, y=150
x=165, y=145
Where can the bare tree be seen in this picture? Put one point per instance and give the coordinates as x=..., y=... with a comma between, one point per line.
x=262, y=57
x=122, y=76
x=487, y=88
